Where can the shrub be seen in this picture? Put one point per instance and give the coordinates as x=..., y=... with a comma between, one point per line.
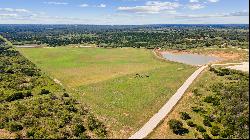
x=215, y=131
x=198, y=110
x=206, y=122
x=206, y=136
x=101, y=131
x=65, y=94
x=83, y=136
x=29, y=71
x=29, y=121
x=211, y=118
x=177, y=127
x=226, y=133
x=18, y=135
x=71, y=108
x=185, y=116
x=79, y=128
x=95, y=125
x=196, y=93
x=174, y=124
x=15, y=96
x=30, y=133
x=208, y=99
x=27, y=94
x=200, y=128
x=211, y=99
x=191, y=124
x=44, y=91
x=216, y=102
x=13, y=126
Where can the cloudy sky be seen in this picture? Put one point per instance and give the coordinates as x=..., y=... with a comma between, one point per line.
x=124, y=12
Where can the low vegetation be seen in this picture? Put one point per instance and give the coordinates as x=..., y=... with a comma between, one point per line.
x=177, y=127
x=118, y=84
x=217, y=109
x=33, y=106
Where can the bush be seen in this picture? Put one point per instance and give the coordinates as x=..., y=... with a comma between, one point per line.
x=177, y=127
x=215, y=131
x=15, y=96
x=79, y=128
x=211, y=99
x=27, y=94
x=226, y=133
x=196, y=93
x=65, y=94
x=206, y=136
x=191, y=124
x=221, y=71
x=83, y=136
x=208, y=99
x=71, y=108
x=198, y=110
x=174, y=124
x=200, y=128
x=206, y=122
x=211, y=118
x=13, y=126
x=95, y=125
x=29, y=71
x=185, y=116
x=101, y=131
x=44, y=91
x=30, y=133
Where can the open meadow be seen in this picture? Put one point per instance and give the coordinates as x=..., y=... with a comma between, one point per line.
x=124, y=86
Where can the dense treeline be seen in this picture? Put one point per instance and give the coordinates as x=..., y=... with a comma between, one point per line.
x=149, y=36
x=223, y=107
x=33, y=106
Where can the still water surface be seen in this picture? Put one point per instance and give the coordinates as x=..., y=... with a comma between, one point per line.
x=190, y=59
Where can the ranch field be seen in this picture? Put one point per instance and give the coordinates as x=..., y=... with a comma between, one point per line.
x=124, y=86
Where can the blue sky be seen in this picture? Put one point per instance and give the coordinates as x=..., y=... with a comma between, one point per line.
x=121, y=12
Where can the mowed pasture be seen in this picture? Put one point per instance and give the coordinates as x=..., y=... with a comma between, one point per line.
x=123, y=86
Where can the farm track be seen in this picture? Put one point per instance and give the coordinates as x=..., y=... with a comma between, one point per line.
x=162, y=113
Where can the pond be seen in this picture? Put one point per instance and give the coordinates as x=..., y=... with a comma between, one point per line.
x=190, y=59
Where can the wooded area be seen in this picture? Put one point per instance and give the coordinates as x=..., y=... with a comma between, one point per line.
x=148, y=36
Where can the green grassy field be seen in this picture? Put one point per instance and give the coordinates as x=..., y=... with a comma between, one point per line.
x=124, y=86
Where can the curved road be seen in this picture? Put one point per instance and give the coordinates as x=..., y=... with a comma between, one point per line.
x=156, y=119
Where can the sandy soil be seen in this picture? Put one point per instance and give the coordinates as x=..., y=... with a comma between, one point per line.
x=58, y=82
x=219, y=54
x=4, y=134
x=243, y=67
x=27, y=46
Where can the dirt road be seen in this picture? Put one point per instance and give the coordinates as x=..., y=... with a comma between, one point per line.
x=156, y=119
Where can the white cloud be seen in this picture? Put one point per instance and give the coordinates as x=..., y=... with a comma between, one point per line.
x=14, y=10
x=195, y=6
x=192, y=1
x=232, y=14
x=101, y=5
x=84, y=5
x=213, y=0
x=56, y=3
x=239, y=13
x=151, y=7
x=7, y=15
